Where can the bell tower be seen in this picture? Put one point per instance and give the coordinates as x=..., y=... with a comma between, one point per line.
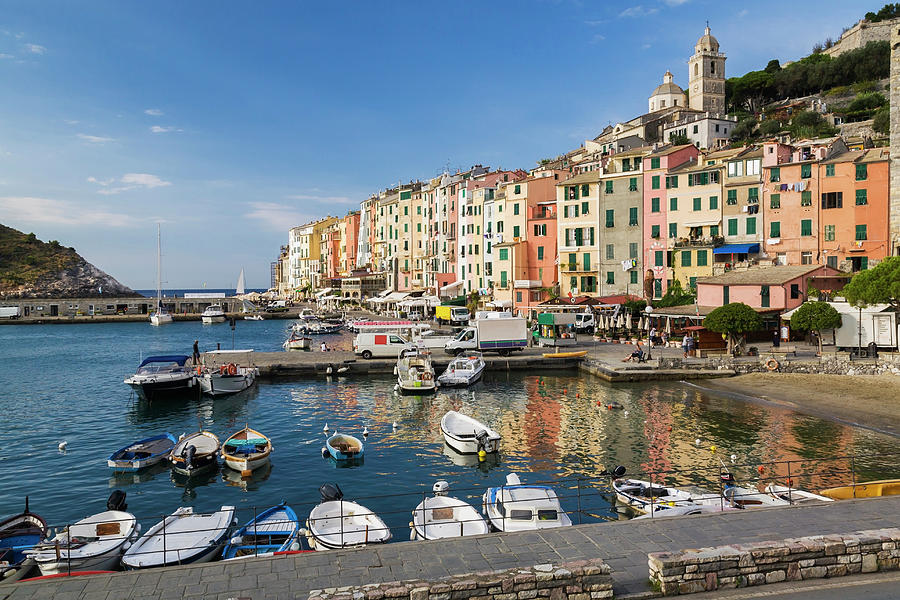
x=706, y=74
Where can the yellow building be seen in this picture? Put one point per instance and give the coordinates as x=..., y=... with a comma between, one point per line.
x=578, y=204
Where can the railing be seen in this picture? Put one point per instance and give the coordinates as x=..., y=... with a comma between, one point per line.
x=582, y=499
x=714, y=242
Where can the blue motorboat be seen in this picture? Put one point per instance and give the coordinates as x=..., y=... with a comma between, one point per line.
x=17, y=534
x=276, y=529
x=142, y=453
x=344, y=447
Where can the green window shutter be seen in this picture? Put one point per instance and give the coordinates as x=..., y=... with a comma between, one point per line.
x=775, y=229
x=732, y=197
x=502, y=278
x=806, y=198
x=634, y=276
x=861, y=197
x=575, y=191
x=806, y=171
x=654, y=231
x=515, y=231
x=586, y=261
x=764, y=296
x=732, y=227
x=775, y=201
x=753, y=195
x=659, y=258
x=632, y=250
x=592, y=236
x=751, y=225
x=579, y=238
x=697, y=204
x=675, y=181
x=419, y=227
x=654, y=163
x=861, y=172
x=713, y=202
x=806, y=227
x=726, y=295
x=685, y=258
x=504, y=253
x=573, y=282
x=654, y=182
x=654, y=205
x=573, y=260
x=633, y=184
x=517, y=189
x=714, y=230
x=633, y=215
x=610, y=277
x=673, y=203
x=584, y=207
x=829, y=233
x=863, y=263
x=701, y=258
x=610, y=252
x=585, y=190
x=775, y=174
x=540, y=253
x=692, y=283
x=609, y=187
x=673, y=230
x=829, y=170
x=861, y=232
x=610, y=218
x=516, y=208
x=565, y=211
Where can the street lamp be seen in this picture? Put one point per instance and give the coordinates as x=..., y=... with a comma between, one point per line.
x=649, y=309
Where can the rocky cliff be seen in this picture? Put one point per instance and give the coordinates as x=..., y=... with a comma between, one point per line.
x=30, y=268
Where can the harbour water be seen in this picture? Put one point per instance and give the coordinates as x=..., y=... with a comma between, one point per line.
x=64, y=383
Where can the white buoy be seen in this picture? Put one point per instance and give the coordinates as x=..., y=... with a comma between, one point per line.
x=328, y=370
x=625, y=413
x=365, y=431
x=325, y=429
x=63, y=445
x=697, y=441
x=733, y=457
x=343, y=369
x=394, y=425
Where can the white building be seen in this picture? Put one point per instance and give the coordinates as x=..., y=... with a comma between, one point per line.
x=666, y=95
x=704, y=130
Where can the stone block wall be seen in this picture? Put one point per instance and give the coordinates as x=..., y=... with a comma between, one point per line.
x=581, y=580
x=740, y=565
x=888, y=362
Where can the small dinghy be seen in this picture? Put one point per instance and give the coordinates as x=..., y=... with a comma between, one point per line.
x=18, y=534
x=195, y=452
x=246, y=450
x=142, y=453
x=297, y=341
x=741, y=497
x=95, y=543
x=443, y=516
x=253, y=318
x=274, y=530
x=182, y=538
x=338, y=523
x=684, y=510
x=645, y=497
x=468, y=436
x=463, y=370
x=793, y=495
x=518, y=507
x=344, y=447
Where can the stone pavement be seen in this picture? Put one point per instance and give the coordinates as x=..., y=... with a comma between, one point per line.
x=623, y=545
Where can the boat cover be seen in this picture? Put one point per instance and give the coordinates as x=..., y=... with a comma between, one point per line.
x=179, y=359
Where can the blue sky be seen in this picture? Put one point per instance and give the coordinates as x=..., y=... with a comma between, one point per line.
x=230, y=122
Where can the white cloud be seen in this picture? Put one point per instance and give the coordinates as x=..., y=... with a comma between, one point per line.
x=153, y=112
x=322, y=199
x=24, y=209
x=278, y=217
x=128, y=181
x=638, y=11
x=4, y=55
x=676, y=2
x=95, y=139
x=595, y=22
x=166, y=129
x=71, y=122
x=35, y=48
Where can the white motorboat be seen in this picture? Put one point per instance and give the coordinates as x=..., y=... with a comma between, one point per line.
x=95, y=543
x=468, y=436
x=160, y=316
x=213, y=314
x=443, y=516
x=311, y=325
x=297, y=341
x=463, y=370
x=195, y=452
x=182, y=538
x=741, y=497
x=338, y=523
x=161, y=376
x=223, y=375
x=246, y=450
x=415, y=374
x=795, y=496
x=683, y=510
x=644, y=497
x=253, y=318
x=518, y=507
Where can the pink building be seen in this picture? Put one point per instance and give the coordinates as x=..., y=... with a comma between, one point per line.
x=777, y=288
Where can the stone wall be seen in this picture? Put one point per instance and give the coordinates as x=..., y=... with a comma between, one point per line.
x=859, y=35
x=894, y=212
x=740, y=565
x=888, y=362
x=581, y=580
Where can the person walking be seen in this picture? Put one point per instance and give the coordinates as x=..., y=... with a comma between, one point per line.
x=776, y=339
x=196, y=357
x=684, y=346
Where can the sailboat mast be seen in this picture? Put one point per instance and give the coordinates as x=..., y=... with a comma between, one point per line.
x=158, y=267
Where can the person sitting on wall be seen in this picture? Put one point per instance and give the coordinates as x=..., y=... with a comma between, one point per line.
x=637, y=354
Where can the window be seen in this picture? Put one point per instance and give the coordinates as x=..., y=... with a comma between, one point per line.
x=861, y=197
x=633, y=215
x=610, y=218
x=831, y=261
x=732, y=226
x=658, y=258
x=654, y=205
x=610, y=252
x=515, y=208
x=517, y=189
x=713, y=202
x=586, y=261
x=503, y=279
x=609, y=187
x=692, y=281
x=714, y=230
x=540, y=253
x=504, y=253
x=654, y=231
x=632, y=250
x=775, y=174
x=696, y=128
x=515, y=231
x=764, y=296
x=753, y=195
x=632, y=184
x=829, y=170
x=775, y=201
x=726, y=295
x=672, y=182
x=584, y=208
x=751, y=225
x=673, y=230
x=753, y=166
x=654, y=182
x=518, y=297
x=585, y=190
x=805, y=259
x=610, y=277
x=806, y=227
x=633, y=276
x=806, y=198
x=685, y=258
x=673, y=203
x=861, y=172
x=697, y=204
x=833, y=200
x=732, y=197
x=654, y=163
x=829, y=233
x=701, y=258
x=775, y=229
x=806, y=171
x=860, y=231
x=736, y=168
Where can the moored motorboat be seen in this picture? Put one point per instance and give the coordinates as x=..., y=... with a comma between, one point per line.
x=297, y=341
x=213, y=314
x=95, y=543
x=644, y=496
x=344, y=447
x=223, y=375
x=18, y=534
x=463, y=370
x=142, y=453
x=795, y=496
x=195, y=452
x=338, y=523
x=158, y=377
x=182, y=538
x=443, y=516
x=415, y=374
x=518, y=507
x=468, y=436
x=741, y=497
x=246, y=450
x=276, y=529
x=864, y=489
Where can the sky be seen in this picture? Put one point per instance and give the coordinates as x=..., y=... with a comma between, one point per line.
x=230, y=122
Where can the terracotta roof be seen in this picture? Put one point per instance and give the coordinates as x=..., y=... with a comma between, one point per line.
x=589, y=177
x=669, y=150
x=774, y=275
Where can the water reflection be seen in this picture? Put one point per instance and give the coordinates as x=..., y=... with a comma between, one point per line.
x=470, y=461
x=247, y=484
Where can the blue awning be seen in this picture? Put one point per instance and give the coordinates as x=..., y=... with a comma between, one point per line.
x=737, y=249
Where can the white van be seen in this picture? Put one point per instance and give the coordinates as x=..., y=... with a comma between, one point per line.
x=384, y=345
x=584, y=322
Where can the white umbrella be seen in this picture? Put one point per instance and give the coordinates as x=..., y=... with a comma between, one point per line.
x=668, y=325
x=643, y=324
x=628, y=320
x=620, y=322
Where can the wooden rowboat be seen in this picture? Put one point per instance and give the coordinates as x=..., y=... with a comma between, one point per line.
x=865, y=489
x=577, y=354
x=246, y=450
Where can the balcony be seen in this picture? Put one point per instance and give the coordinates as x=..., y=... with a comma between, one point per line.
x=713, y=242
x=567, y=267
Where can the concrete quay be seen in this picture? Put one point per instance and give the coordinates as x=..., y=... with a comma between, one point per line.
x=623, y=545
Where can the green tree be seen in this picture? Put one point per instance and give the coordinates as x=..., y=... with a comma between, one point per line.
x=891, y=10
x=675, y=295
x=816, y=316
x=880, y=285
x=733, y=320
x=679, y=140
x=770, y=127
x=744, y=129
x=881, y=122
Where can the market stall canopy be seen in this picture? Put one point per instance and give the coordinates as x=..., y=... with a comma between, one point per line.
x=451, y=286
x=737, y=249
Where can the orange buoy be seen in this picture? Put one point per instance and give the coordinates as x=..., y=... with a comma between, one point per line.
x=577, y=395
x=761, y=469
x=670, y=428
x=565, y=391
x=599, y=403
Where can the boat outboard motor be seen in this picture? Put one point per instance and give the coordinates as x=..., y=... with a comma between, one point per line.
x=482, y=438
x=440, y=488
x=188, y=454
x=618, y=472
x=330, y=492
x=116, y=501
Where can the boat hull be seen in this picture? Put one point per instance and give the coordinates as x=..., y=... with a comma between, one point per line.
x=249, y=460
x=211, y=320
x=214, y=384
x=276, y=529
x=332, y=445
x=578, y=354
x=466, y=443
x=865, y=489
x=342, y=524
x=162, y=388
x=182, y=538
x=158, y=320
x=121, y=462
x=102, y=554
x=202, y=460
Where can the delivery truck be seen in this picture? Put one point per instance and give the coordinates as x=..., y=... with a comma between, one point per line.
x=491, y=335
x=9, y=312
x=454, y=315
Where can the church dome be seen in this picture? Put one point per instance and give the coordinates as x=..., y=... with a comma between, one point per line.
x=666, y=95
x=707, y=43
x=667, y=86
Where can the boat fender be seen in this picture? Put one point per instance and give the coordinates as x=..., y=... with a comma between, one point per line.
x=772, y=364
x=295, y=547
x=116, y=501
x=237, y=540
x=232, y=369
x=324, y=452
x=329, y=370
